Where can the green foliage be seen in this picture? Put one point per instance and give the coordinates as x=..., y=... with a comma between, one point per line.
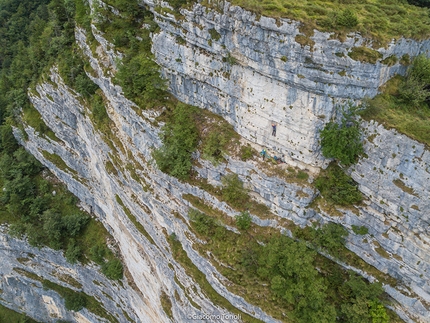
x=337, y=187
x=378, y=312
x=73, y=252
x=179, y=137
x=246, y=152
x=140, y=79
x=138, y=74
x=214, y=143
x=229, y=59
x=8, y=143
x=71, y=68
x=243, y=221
x=99, y=113
x=347, y=18
x=214, y=34
x=365, y=55
x=233, y=191
x=202, y=223
x=362, y=300
x=420, y=3
x=9, y=316
x=177, y=4
x=379, y=21
x=415, y=90
x=75, y=301
x=329, y=237
x=97, y=253
x=113, y=269
x=390, y=60
x=361, y=230
x=289, y=266
x=343, y=141
x=410, y=117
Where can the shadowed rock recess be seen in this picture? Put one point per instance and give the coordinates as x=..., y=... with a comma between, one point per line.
x=252, y=74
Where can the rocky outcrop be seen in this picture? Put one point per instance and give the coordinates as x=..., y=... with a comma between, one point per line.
x=23, y=269
x=253, y=71
x=242, y=75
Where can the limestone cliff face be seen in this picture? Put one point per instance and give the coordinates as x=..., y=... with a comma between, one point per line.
x=24, y=267
x=255, y=88
x=253, y=72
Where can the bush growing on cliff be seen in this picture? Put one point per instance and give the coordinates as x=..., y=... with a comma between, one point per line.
x=343, y=141
x=243, y=221
x=233, y=191
x=113, y=269
x=415, y=90
x=337, y=187
x=74, y=301
x=140, y=79
x=347, y=18
x=180, y=138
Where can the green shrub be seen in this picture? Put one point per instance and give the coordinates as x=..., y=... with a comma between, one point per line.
x=361, y=230
x=377, y=311
x=405, y=59
x=99, y=113
x=365, y=55
x=202, y=223
x=180, y=138
x=113, y=269
x=302, y=175
x=74, y=301
x=390, y=60
x=337, y=187
x=347, y=19
x=98, y=253
x=415, y=90
x=214, y=34
x=343, y=141
x=246, y=152
x=212, y=149
x=140, y=79
x=229, y=59
x=233, y=191
x=73, y=252
x=331, y=237
x=243, y=221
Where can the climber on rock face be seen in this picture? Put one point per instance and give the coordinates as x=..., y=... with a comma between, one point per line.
x=273, y=129
x=263, y=153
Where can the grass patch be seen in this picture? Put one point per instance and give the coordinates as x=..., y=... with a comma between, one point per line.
x=381, y=251
x=399, y=183
x=388, y=109
x=361, y=230
x=166, y=304
x=288, y=174
x=33, y=118
x=214, y=34
x=59, y=163
x=373, y=19
x=9, y=316
x=133, y=220
x=365, y=55
x=390, y=60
